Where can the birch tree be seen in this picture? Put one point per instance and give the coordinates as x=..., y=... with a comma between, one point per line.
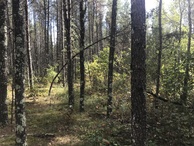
x=67, y=23
x=18, y=24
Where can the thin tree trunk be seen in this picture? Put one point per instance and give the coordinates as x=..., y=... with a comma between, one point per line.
x=36, y=61
x=46, y=56
x=184, y=94
x=58, y=36
x=111, y=57
x=82, y=45
x=159, y=49
x=47, y=34
x=62, y=40
x=18, y=23
x=100, y=30
x=3, y=68
x=67, y=22
x=29, y=55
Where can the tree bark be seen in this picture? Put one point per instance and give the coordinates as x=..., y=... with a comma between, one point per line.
x=138, y=73
x=46, y=43
x=18, y=23
x=67, y=22
x=111, y=57
x=36, y=53
x=82, y=59
x=29, y=55
x=3, y=68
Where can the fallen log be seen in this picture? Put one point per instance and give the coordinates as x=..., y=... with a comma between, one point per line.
x=164, y=99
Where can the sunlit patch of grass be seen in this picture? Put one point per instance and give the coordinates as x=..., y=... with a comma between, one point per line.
x=66, y=140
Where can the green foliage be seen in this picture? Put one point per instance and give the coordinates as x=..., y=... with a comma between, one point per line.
x=121, y=81
x=95, y=137
x=97, y=70
x=50, y=74
x=174, y=126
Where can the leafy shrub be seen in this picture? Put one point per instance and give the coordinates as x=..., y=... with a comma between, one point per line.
x=50, y=74
x=97, y=70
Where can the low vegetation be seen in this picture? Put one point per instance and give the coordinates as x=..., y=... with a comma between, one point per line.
x=49, y=122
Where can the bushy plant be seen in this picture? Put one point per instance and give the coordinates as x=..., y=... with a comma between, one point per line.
x=50, y=74
x=97, y=70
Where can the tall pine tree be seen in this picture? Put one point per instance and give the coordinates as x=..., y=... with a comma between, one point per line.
x=138, y=72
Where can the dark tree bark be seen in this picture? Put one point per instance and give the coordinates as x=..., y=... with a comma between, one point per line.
x=3, y=60
x=60, y=55
x=82, y=45
x=67, y=22
x=18, y=23
x=46, y=35
x=58, y=35
x=184, y=94
x=91, y=22
x=111, y=57
x=100, y=30
x=138, y=72
x=36, y=53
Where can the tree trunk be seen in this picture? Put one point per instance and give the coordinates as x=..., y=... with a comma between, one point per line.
x=46, y=53
x=138, y=72
x=36, y=61
x=100, y=30
x=3, y=68
x=111, y=57
x=160, y=52
x=18, y=23
x=82, y=45
x=47, y=35
x=67, y=22
x=184, y=94
x=29, y=55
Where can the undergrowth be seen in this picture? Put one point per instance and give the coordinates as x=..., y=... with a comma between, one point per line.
x=50, y=123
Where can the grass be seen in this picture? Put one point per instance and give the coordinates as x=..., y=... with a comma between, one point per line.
x=49, y=121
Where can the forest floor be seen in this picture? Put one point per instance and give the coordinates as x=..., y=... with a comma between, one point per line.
x=50, y=123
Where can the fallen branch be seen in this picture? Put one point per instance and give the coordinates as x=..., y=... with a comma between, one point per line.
x=163, y=99
x=72, y=59
x=117, y=34
x=43, y=135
